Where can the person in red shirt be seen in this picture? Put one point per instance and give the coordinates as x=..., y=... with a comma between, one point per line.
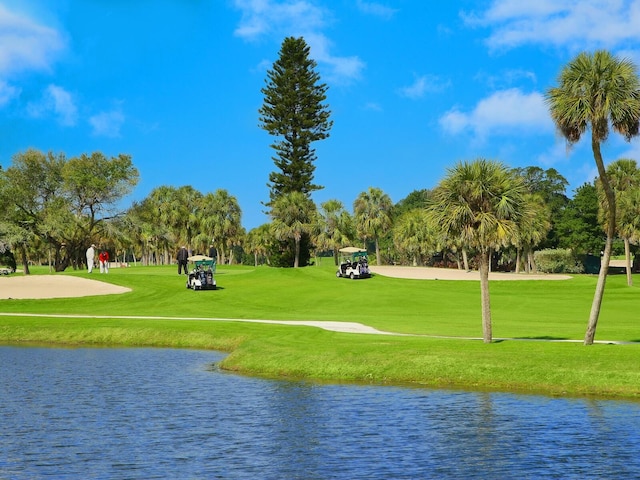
x=104, y=261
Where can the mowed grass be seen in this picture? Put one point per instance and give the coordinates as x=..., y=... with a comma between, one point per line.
x=555, y=310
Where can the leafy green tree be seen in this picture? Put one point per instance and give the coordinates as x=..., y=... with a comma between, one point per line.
x=294, y=215
x=578, y=226
x=482, y=203
x=293, y=110
x=551, y=186
x=373, y=215
x=597, y=91
x=63, y=203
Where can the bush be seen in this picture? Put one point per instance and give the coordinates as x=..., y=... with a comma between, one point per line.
x=557, y=261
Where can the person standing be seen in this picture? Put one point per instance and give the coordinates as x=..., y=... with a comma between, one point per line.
x=91, y=253
x=182, y=257
x=213, y=253
x=104, y=261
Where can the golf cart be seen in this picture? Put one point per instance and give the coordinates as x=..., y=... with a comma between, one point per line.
x=202, y=276
x=353, y=263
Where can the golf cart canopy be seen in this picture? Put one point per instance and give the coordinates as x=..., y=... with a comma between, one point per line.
x=352, y=250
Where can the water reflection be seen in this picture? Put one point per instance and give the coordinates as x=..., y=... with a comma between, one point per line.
x=154, y=413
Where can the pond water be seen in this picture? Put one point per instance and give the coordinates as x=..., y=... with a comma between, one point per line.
x=163, y=413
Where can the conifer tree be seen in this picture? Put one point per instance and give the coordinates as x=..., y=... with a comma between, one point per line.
x=293, y=111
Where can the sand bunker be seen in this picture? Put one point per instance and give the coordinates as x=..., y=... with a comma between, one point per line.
x=54, y=286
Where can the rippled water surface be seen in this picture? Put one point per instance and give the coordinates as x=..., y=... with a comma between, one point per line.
x=155, y=413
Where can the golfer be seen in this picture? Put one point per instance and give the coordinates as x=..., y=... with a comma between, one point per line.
x=91, y=253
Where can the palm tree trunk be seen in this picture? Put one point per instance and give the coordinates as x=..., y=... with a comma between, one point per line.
x=377, y=252
x=627, y=257
x=611, y=230
x=483, y=266
x=296, y=261
x=465, y=259
x=518, y=259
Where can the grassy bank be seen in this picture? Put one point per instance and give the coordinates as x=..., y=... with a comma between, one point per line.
x=525, y=310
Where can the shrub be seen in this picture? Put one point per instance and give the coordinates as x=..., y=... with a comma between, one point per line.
x=557, y=261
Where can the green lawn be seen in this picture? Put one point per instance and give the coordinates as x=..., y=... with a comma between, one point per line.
x=520, y=309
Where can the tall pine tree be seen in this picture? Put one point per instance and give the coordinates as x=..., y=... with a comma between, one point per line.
x=294, y=112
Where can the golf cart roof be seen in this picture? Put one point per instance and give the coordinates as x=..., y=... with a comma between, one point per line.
x=199, y=258
x=352, y=250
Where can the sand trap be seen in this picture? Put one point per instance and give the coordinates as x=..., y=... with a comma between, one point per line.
x=429, y=273
x=53, y=286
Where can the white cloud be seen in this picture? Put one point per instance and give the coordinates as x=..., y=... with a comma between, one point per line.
x=7, y=93
x=576, y=24
x=376, y=9
x=62, y=104
x=276, y=19
x=501, y=113
x=261, y=17
x=423, y=85
x=56, y=101
x=25, y=44
x=107, y=124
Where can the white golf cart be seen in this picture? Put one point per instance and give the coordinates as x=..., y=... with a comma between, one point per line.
x=202, y=277
x=353, y=263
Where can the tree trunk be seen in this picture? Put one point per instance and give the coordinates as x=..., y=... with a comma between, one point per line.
x=483, y=266
x=627, y=257
x=532, y=262
x=518, y=259
x=465, y=259
x=297, y=257
x=25, y=260
x=611, y=230
x=377, y=252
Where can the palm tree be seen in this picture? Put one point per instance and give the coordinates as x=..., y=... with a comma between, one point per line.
x=533, y=229
x=482, y=203
x=373, y=216
x=414, y=236
x=624, y=178
x=258, y=240
x=293, y=216
x=595, y=91
x=629, y=224
x=336, y=227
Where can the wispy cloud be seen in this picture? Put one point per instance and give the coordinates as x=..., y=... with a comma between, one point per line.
x=377, y=9
x=7, y=93
x=56, y=102
x=274, y=19
x=575, y=24
x=499, y=114
x=107, y=124
x=25, y=44
x=422, y=85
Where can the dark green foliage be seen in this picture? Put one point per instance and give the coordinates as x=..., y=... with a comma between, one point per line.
x=282, y=253
x=416, y=199
x=551, y=187
x=7, y=259
x=293, y=111
x=557, y=261
x=578, y=227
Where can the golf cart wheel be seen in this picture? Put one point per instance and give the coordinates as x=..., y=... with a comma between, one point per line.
x=338, y=274
x=352, y=276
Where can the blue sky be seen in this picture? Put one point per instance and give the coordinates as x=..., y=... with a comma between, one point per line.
x=414, y=86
